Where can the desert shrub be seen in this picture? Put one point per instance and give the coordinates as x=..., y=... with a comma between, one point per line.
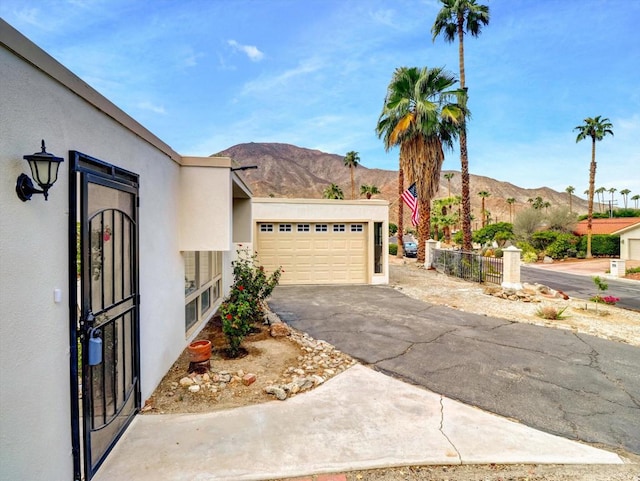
x=498, y=253
x=489, y=232
x=525, y=247
x=393, y=229
x=560, y=248
x=529, y=257
x=458, y=237
x=543, y=239
x=561, y=220
x=551, y=313
x=527, y=222
x=393, y=249
x=601, y=245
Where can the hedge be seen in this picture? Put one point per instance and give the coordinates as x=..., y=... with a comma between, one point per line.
x=393, y=249
x=601, y=245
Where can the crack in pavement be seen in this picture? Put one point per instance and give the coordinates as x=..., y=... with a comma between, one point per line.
x=412, y=344
x=441, y=429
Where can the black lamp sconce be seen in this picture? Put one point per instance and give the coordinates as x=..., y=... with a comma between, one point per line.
x=44, y=170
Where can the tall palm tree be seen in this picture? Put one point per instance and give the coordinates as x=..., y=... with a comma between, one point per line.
x=369, y=190
x=612, y=191
x=625, y=193
x=352, y=160
x=596, y=128
x=511, y=201
x=635, y=199
x=455, y=18
x=449, y=176
x=483, y=195
x=600, y=192
x=570, y=190
x=538, y=203
x=421, y=116
x=333, y=192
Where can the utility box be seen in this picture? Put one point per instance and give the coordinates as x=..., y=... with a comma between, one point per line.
x=617, y=268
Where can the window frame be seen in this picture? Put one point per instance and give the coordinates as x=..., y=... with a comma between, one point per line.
x=210, y=286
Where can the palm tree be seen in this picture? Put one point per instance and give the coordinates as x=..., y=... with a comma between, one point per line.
x=635, y=199
x=612, y=191
x=449, y=176
x=596, y=128
x=369, y=190
x=352, y=160
x=538, y=203
x=511, y=201
x=419, y=115
x=625, y=193
x=600, y=191
x=546, y=206
x=483, y=194
x=333, y=192
x=570, y=190
x=455, y=18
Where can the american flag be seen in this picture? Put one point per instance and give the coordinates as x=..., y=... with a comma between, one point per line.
x=410, y=197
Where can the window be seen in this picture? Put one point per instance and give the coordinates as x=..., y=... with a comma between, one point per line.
x=202, y=283
x=266, y=227
x=377, y=247
x=339, y=227
x=303, y=227
x=356, y=227
x=321, y=227
x=284, y=228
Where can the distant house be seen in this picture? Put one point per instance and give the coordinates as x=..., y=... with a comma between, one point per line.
x=630, y=241
x=628, y=228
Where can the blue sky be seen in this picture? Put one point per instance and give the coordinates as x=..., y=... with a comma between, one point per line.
x=206, y=75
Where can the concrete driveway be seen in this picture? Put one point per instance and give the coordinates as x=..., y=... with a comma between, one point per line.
x=578, y=386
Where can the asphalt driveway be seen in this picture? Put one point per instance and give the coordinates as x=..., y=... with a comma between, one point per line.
x=574, y=385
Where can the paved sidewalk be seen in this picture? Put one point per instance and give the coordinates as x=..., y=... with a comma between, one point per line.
x=360, y=419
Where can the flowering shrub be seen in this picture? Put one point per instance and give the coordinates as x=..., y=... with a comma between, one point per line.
x=611, y=300
x=243, y=306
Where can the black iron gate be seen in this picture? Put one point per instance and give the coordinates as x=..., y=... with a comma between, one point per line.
x=105, y=329
x=468, y=265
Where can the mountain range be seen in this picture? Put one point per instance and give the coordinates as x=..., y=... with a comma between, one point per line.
x=295, y=172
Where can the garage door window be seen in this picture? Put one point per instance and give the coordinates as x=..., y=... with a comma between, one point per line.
x=303, y=227
x=203, y=277
x=284, y=227
x=356, y=227
x=339, y=227
x=321, y=227
x=266, y=227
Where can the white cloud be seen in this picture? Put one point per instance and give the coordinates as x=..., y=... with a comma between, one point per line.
x=146, y=105
x=254, y=54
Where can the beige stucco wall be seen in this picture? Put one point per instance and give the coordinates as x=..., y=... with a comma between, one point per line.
x=39, y=99
x=625, y=242
x=325, y=210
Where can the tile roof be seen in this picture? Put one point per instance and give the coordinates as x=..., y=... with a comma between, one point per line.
x=605, y=226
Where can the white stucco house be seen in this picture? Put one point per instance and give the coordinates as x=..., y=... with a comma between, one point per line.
x=104, y=282
x=630, y=241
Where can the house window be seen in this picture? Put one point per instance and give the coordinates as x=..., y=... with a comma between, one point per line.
x=339, y=227
x=356, y=227
x=284, y=228
x=202, y=283
x=321, y=227
x=266, y=227
x=303, y=227
x=377, y=247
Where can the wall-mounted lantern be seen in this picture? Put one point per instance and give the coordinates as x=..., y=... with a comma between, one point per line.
x=44, y=170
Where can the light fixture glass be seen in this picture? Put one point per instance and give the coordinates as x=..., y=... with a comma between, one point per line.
x=44, y=170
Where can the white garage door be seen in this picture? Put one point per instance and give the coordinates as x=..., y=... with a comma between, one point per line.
x=634, y=249
x=315, y=253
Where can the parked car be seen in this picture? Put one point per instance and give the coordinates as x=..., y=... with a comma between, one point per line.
x=410, y=249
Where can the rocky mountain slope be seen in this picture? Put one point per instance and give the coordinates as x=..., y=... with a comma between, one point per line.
x=294, y=172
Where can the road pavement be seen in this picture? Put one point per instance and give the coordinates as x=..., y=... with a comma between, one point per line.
x=574, y=385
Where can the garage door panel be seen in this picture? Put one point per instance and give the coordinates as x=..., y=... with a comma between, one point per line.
x=634, y=249
x=315, y=257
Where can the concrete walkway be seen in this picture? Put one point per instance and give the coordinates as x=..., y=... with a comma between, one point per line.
x=360, y=419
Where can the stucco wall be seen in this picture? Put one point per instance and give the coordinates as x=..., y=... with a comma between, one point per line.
x=35, y=439
x=625, y=243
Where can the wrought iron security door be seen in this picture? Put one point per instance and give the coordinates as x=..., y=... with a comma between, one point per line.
x=107, y=324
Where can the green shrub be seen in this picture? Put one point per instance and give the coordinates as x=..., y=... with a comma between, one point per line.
x=458, y=237
x=560, y=248
x=525, y=247
x=393, y=249
x=543, y=239
x=498, y=253
x=601, y=245
x=489, y=233
x=529, y=257
x=633, y=270
x=393, y=229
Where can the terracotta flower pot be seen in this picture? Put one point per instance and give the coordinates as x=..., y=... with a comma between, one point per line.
x=199, y=351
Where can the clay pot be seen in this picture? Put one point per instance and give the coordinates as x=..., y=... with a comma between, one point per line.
x=199, y=351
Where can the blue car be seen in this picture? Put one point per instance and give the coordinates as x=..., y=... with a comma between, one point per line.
x=410, y=249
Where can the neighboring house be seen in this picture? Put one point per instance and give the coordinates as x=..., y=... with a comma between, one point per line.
x=158, y=233
x=628, y=228
x=321, y=241
x=630, y=241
